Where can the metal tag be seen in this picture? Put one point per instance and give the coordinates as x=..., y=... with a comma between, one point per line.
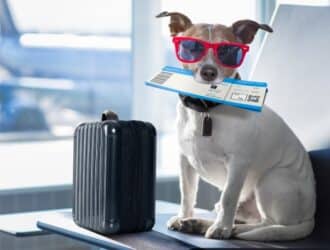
x=207, y=125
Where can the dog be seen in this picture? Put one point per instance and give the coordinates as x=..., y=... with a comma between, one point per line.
x=261, y=168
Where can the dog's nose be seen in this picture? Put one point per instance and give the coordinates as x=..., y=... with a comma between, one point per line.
x=209, y=73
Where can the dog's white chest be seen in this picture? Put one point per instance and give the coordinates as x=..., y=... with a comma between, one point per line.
x=201, y=151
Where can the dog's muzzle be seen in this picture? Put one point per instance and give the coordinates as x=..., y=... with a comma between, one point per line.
x=208, y=73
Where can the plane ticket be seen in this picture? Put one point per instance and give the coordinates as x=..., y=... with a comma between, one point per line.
x=238, y=93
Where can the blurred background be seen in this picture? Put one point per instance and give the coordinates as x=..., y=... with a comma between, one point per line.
x=64, y=62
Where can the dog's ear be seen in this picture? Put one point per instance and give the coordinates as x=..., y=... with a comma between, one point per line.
x=178, y=22
x=245, y=30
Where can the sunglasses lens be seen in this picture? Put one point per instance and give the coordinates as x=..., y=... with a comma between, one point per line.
x=230, y=55
x=190, y=50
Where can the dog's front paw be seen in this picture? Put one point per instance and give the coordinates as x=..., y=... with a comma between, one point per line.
x=189, y=225
x=217, y=231
x=174, y=223
x=194, y=225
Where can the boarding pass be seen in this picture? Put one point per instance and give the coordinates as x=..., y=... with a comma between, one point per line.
x=238, y=93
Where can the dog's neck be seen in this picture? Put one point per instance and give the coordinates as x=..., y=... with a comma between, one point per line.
x=200, y=105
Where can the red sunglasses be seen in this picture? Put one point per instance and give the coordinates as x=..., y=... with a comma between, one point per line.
x=191, y=50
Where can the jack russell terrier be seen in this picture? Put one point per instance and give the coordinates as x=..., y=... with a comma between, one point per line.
x=255, y=159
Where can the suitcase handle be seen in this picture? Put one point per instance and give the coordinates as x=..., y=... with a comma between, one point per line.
x=109, y=115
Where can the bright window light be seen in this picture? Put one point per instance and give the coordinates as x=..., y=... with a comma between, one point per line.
x=75, y=41
x=304, y=2
x=74, y=16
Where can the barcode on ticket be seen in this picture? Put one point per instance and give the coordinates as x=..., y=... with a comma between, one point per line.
x=161, y=77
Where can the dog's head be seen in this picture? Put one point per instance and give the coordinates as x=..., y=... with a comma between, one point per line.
x=212, y=52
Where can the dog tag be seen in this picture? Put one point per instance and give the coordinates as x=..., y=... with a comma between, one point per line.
x=207, y=126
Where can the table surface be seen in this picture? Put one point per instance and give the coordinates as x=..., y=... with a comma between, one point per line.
x=60, y=222
x=24, y=224
x=160, y=237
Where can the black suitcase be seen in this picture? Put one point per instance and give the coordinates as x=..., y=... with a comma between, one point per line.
x=114, y=175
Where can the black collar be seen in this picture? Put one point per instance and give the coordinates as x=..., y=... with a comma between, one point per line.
x=200, y=105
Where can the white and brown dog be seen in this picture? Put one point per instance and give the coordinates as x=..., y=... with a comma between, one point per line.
x=262, y=169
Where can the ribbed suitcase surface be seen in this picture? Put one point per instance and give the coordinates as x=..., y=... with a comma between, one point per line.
x=114, y=176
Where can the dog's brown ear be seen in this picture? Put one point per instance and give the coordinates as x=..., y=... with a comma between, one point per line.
x=245, y=30
x=178, y=22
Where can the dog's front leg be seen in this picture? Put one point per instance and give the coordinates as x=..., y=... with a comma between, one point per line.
x=188, y=189
x=226, y=207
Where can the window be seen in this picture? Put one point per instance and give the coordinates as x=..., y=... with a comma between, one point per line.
x=65, y=64
x=62, y=63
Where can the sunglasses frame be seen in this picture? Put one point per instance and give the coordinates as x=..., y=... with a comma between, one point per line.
x=207, y=45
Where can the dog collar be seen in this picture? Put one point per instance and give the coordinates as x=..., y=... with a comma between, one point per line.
x=203, y=107
x=198, y=105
